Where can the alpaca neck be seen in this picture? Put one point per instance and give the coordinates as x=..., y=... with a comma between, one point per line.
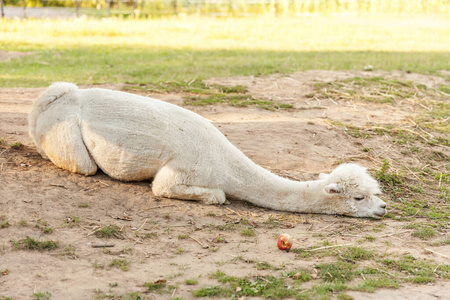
x=263, y=188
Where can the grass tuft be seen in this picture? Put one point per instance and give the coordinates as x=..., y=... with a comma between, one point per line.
x=424, y=233
x=248, y=232
x=120, y=263
x=4, y=223
x=371, y=284
x=191, y=281
x=17, y=146
x=32, y=244
x=356, y=253
x=109, y=231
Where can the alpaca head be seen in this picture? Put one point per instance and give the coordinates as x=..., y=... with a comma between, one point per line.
x=353, y=192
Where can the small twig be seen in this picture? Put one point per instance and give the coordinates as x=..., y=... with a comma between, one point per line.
x=174, y=291
x=325, y=227
x=142, y=225
x=84, y=227
x=429, y=134
x=391, y=234
x=265, y=279
x=59, y=185
x=393, y=275
x=412, y=173
x=443, y=255
x=315, y=143
x=318, y=100
x=333, y=101
x=434, y=271
x=200, y=243
x=161, y=206
x=353, y=235
x=235, y=212
x=103, y=183
x=230, y=254
x=326, y=247
x=94, y=231
x=103, y=246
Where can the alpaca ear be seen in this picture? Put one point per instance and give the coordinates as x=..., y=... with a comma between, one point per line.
x=323, y=176
x=332, y=188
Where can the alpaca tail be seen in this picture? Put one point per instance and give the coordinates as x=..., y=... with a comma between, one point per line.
x=53, y=93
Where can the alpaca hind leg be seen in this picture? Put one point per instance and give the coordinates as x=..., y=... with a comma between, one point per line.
x=165, y=185
x=63, y=145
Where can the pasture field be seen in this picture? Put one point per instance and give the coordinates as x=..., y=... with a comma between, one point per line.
x=293, y=95
x=92, y=51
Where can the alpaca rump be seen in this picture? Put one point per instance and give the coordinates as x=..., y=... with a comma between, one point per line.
x=132, y=138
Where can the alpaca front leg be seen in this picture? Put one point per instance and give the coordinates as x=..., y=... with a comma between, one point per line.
x=169, y=183
x=186, y=192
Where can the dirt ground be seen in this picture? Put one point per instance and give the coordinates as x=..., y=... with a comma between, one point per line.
x=174, y=240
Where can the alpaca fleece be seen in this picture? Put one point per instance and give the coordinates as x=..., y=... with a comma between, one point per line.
x=132, y=138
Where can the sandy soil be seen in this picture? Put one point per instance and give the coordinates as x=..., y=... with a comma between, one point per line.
x=298, y=143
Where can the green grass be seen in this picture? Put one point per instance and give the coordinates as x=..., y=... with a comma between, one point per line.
x=191, y=281
x=336, y=272
x=343, y=275
x=4, y=223
x=159, y=286
x=248, y=232
x=371, y=284
x=263, y=286
x=424, y=233
x=356, y=253
x=68, y=251
x=299, y=276
x=43, y=226
x=120, y=263
x=419, y=271
x=32, y=244
x=182, y=49
x=183, y=236
x=42, y=296
x=17, y=146
x=108, y=232
x=235, y=100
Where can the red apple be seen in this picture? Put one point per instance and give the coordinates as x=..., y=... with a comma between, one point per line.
x=285, y=242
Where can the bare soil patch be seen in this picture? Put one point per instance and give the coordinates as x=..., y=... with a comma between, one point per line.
x=166, y=242
x=6, y=56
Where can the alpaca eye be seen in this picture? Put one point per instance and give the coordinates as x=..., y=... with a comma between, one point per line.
x=359, y=198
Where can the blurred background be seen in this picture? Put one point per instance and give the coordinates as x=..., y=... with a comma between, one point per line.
x=151, y=41
x=147, y=8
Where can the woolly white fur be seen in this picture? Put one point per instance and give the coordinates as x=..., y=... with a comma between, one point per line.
x=132, y=137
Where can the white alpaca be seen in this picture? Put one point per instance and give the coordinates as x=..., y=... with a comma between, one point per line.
x=132, y=137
